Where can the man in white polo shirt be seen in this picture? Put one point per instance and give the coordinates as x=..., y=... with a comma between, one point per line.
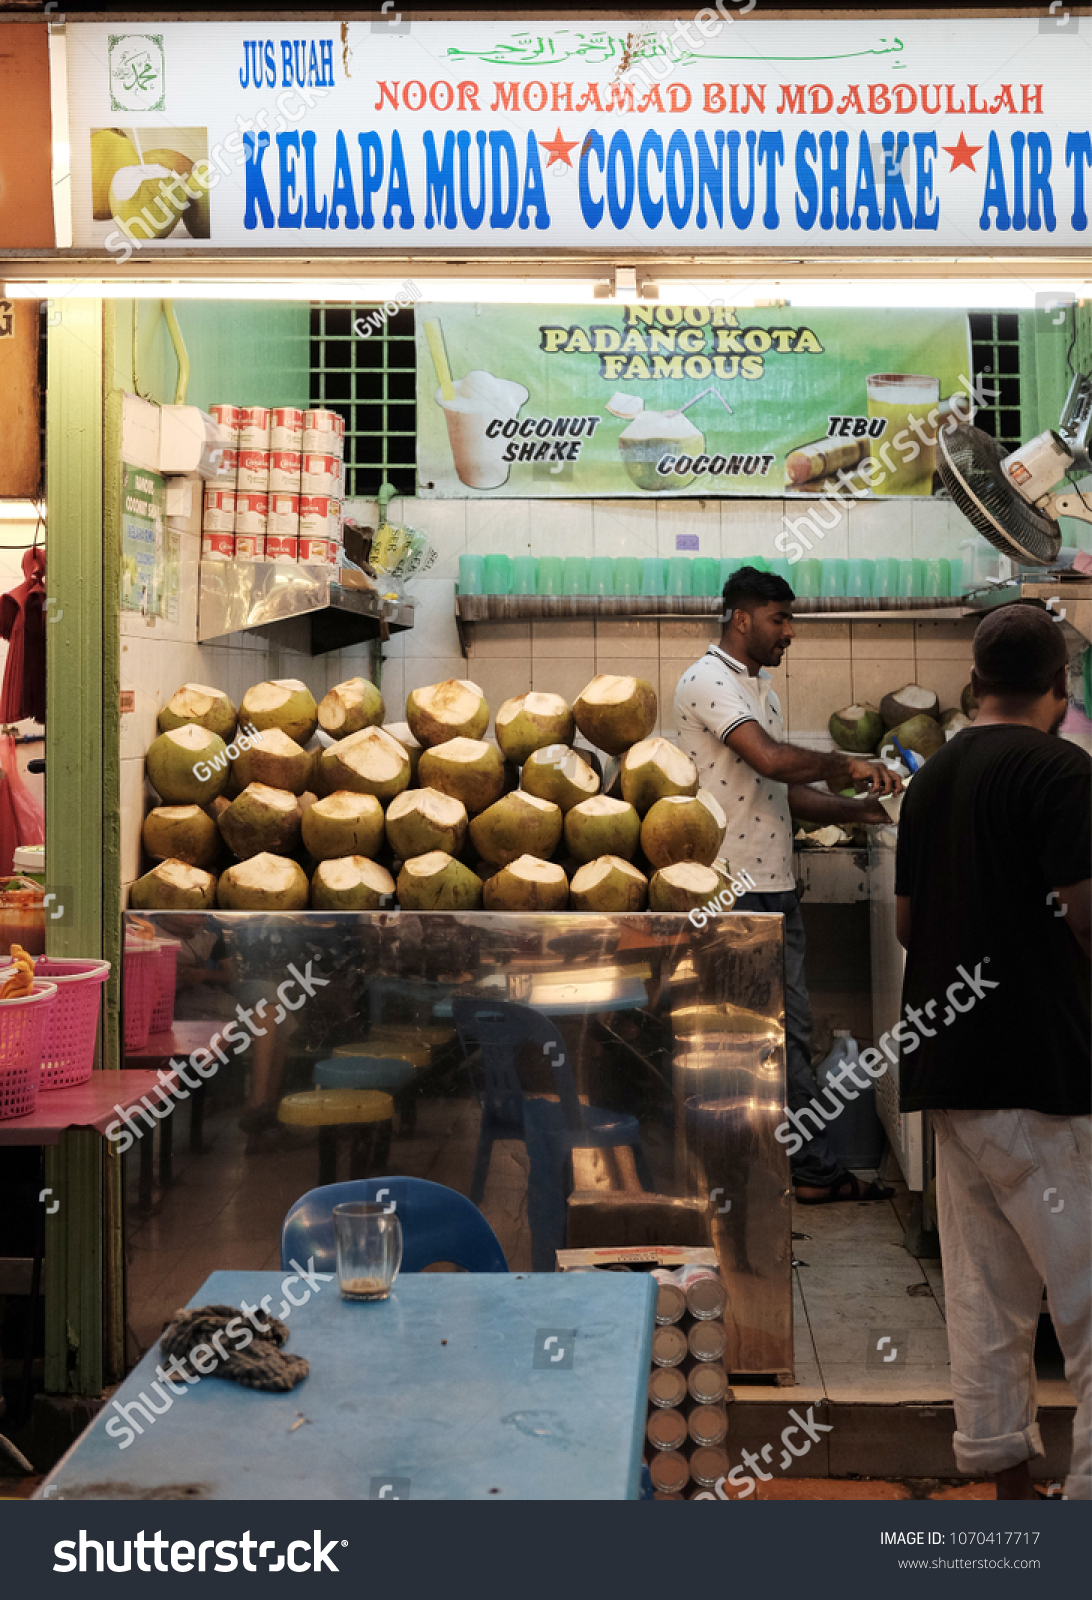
x=729, y=722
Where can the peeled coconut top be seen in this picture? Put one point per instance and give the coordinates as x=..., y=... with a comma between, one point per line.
x=181, y=875
x=194, y=700
x=674, y=763
x=266, y=871
x=275, y=799
x=609, y=690
x=191, y=737
x=909, y=701
x=593, y=873
x=401, y=732
x=703, y=798
x=345, y=806
x=268, y=696
x=275, y=742
x=600, y=805
x=532, y=870
x=428, y=865
x=442, y=809
x=463, y=749
x=345, y=872
x=373, y=752
x=691, y=876
x=454, y=700
x=535, y=705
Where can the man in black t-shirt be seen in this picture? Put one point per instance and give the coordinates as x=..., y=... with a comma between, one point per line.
x=993, y=905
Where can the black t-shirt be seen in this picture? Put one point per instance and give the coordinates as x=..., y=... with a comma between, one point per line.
x=990, y=826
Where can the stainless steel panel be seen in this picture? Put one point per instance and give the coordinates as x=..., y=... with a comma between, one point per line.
x=236, y=595
x=674, y=1039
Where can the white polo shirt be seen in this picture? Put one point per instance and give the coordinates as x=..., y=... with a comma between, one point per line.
x=714, y=696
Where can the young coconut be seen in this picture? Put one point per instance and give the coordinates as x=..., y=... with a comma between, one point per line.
x=284, y=703
x=173, y=886
x=263, y=883
x=968, y=703
x=437, y=882
x=454, y=709
x=856, y=728
x=187, y=765
x=262, y=821
x=614, y=712
x=685, y=886
x=602, y=827
x=351, y=883
x=470, y=770
x=529, y=722
x=909, y=701
x=421, y=820
x=401, y=732
x=527, y=884
x=344, y=824
x=921, y=734
x=557, y=773
x=181, y=833
x=273, y=758
x=519, y=824
x=368, y=762
x=350, y=706
x=208, y=708
x=683, y=828
x=654, y=769
x=608, y=884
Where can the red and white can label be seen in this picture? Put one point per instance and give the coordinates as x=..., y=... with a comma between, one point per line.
x=251, y=511
x=284, y=516
x=254, y=427
x=323, y=433
x=320, y=517
x=218, y=545
x=321, y=475
x=285, y=428
x=219, y=512
x=284, y=471
x=249, y=547
x=320, y=552
x=279, y=548
x=229, y=465
x=228, y=418
x=253, y=470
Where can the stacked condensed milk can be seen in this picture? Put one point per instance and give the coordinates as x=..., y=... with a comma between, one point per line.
x=280, y=495
x=688, y=1390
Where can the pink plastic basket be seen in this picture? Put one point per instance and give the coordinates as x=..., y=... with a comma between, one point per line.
x=68, y=1050
x=23, y=1022
x=140, y=993
x=163, y=1011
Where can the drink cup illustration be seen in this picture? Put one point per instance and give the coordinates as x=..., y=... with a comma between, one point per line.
x=478, y=400
x=908, y=401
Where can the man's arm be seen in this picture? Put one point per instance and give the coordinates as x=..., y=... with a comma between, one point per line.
x=786, y=763
x=902, y=920
x=1076, y=902
x=814, y=805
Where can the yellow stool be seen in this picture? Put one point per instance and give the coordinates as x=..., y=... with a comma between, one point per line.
x=387, y=1047
x=364, y=1116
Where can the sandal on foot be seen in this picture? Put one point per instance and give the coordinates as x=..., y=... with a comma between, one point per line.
x=874, y=1191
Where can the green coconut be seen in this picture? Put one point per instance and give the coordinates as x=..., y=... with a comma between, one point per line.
x=557, y=773
x=909, y=701
x=368, y=762
x=181, y=833
x=856, y=728
x=953, y=722
x=351, y=883
x=683, y=828
x=173, y=886
x=187, y=765
x=273, y=758
x=261, y=821
x=343, y=824
x=922, y=734
x=968, y=703
x=530, y=722
x=283, y=703
x=527, y=884
x=437, y=882
x=401, y=732
x=614, y=712
x=654, y=769
x=519, y=824
x=350, y=706
x=608, y=884
x=454, y=709
x=422, y=820
x=602, y=827
x=264, y=883
x=470, y=770
x=195, y=702
x=684, y=886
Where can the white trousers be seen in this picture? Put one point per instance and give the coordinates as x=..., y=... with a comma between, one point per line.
x=1014, y=1208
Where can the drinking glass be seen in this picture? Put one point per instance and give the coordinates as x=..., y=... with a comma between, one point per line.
x=885, y=578
x=601, y=575
x=781, y=569
x=938, y=577
x=678, y=575
x=703, y=576
x=551, y=575
x=498, y=575
x=653, y=576
x=911, y=578
x=808, y=577
x=759, y=563
x=575, y=575
x=524, y=575
x=369, y=1250
x=859, y=577
x=471, y=574
x=627, y=575
x=834, y=577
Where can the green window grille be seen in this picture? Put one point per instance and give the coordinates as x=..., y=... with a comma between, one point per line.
x=368, y=378
x=995, y=361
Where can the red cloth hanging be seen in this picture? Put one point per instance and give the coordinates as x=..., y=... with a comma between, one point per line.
x=27, y=812
x=22, y=623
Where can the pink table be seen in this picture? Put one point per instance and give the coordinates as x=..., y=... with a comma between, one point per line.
x=86, y=1105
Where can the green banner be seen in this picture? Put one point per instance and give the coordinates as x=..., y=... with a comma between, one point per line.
x=641, y=398
x=145, y=586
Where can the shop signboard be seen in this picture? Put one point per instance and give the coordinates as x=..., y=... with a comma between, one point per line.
x=652, y=398
x=716, y=129
x=26, y=175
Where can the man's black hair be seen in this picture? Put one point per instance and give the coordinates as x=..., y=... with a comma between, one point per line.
x=748, y=588
x=1018, y=650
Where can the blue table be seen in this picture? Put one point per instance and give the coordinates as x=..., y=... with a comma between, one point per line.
x=390, y=1407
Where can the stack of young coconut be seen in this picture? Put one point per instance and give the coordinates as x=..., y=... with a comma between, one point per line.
x=259, y=812
x=911, y=715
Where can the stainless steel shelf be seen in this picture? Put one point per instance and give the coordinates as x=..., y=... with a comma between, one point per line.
x=274, y=597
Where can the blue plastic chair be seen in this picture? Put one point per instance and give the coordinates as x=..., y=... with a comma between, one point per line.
x=550, y=1129
x=438, y=1224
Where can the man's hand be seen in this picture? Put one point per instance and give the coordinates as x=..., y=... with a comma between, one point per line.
x=871, y=811
x=878, y=778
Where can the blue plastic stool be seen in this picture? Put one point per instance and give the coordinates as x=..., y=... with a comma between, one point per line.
x=438, y=1224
